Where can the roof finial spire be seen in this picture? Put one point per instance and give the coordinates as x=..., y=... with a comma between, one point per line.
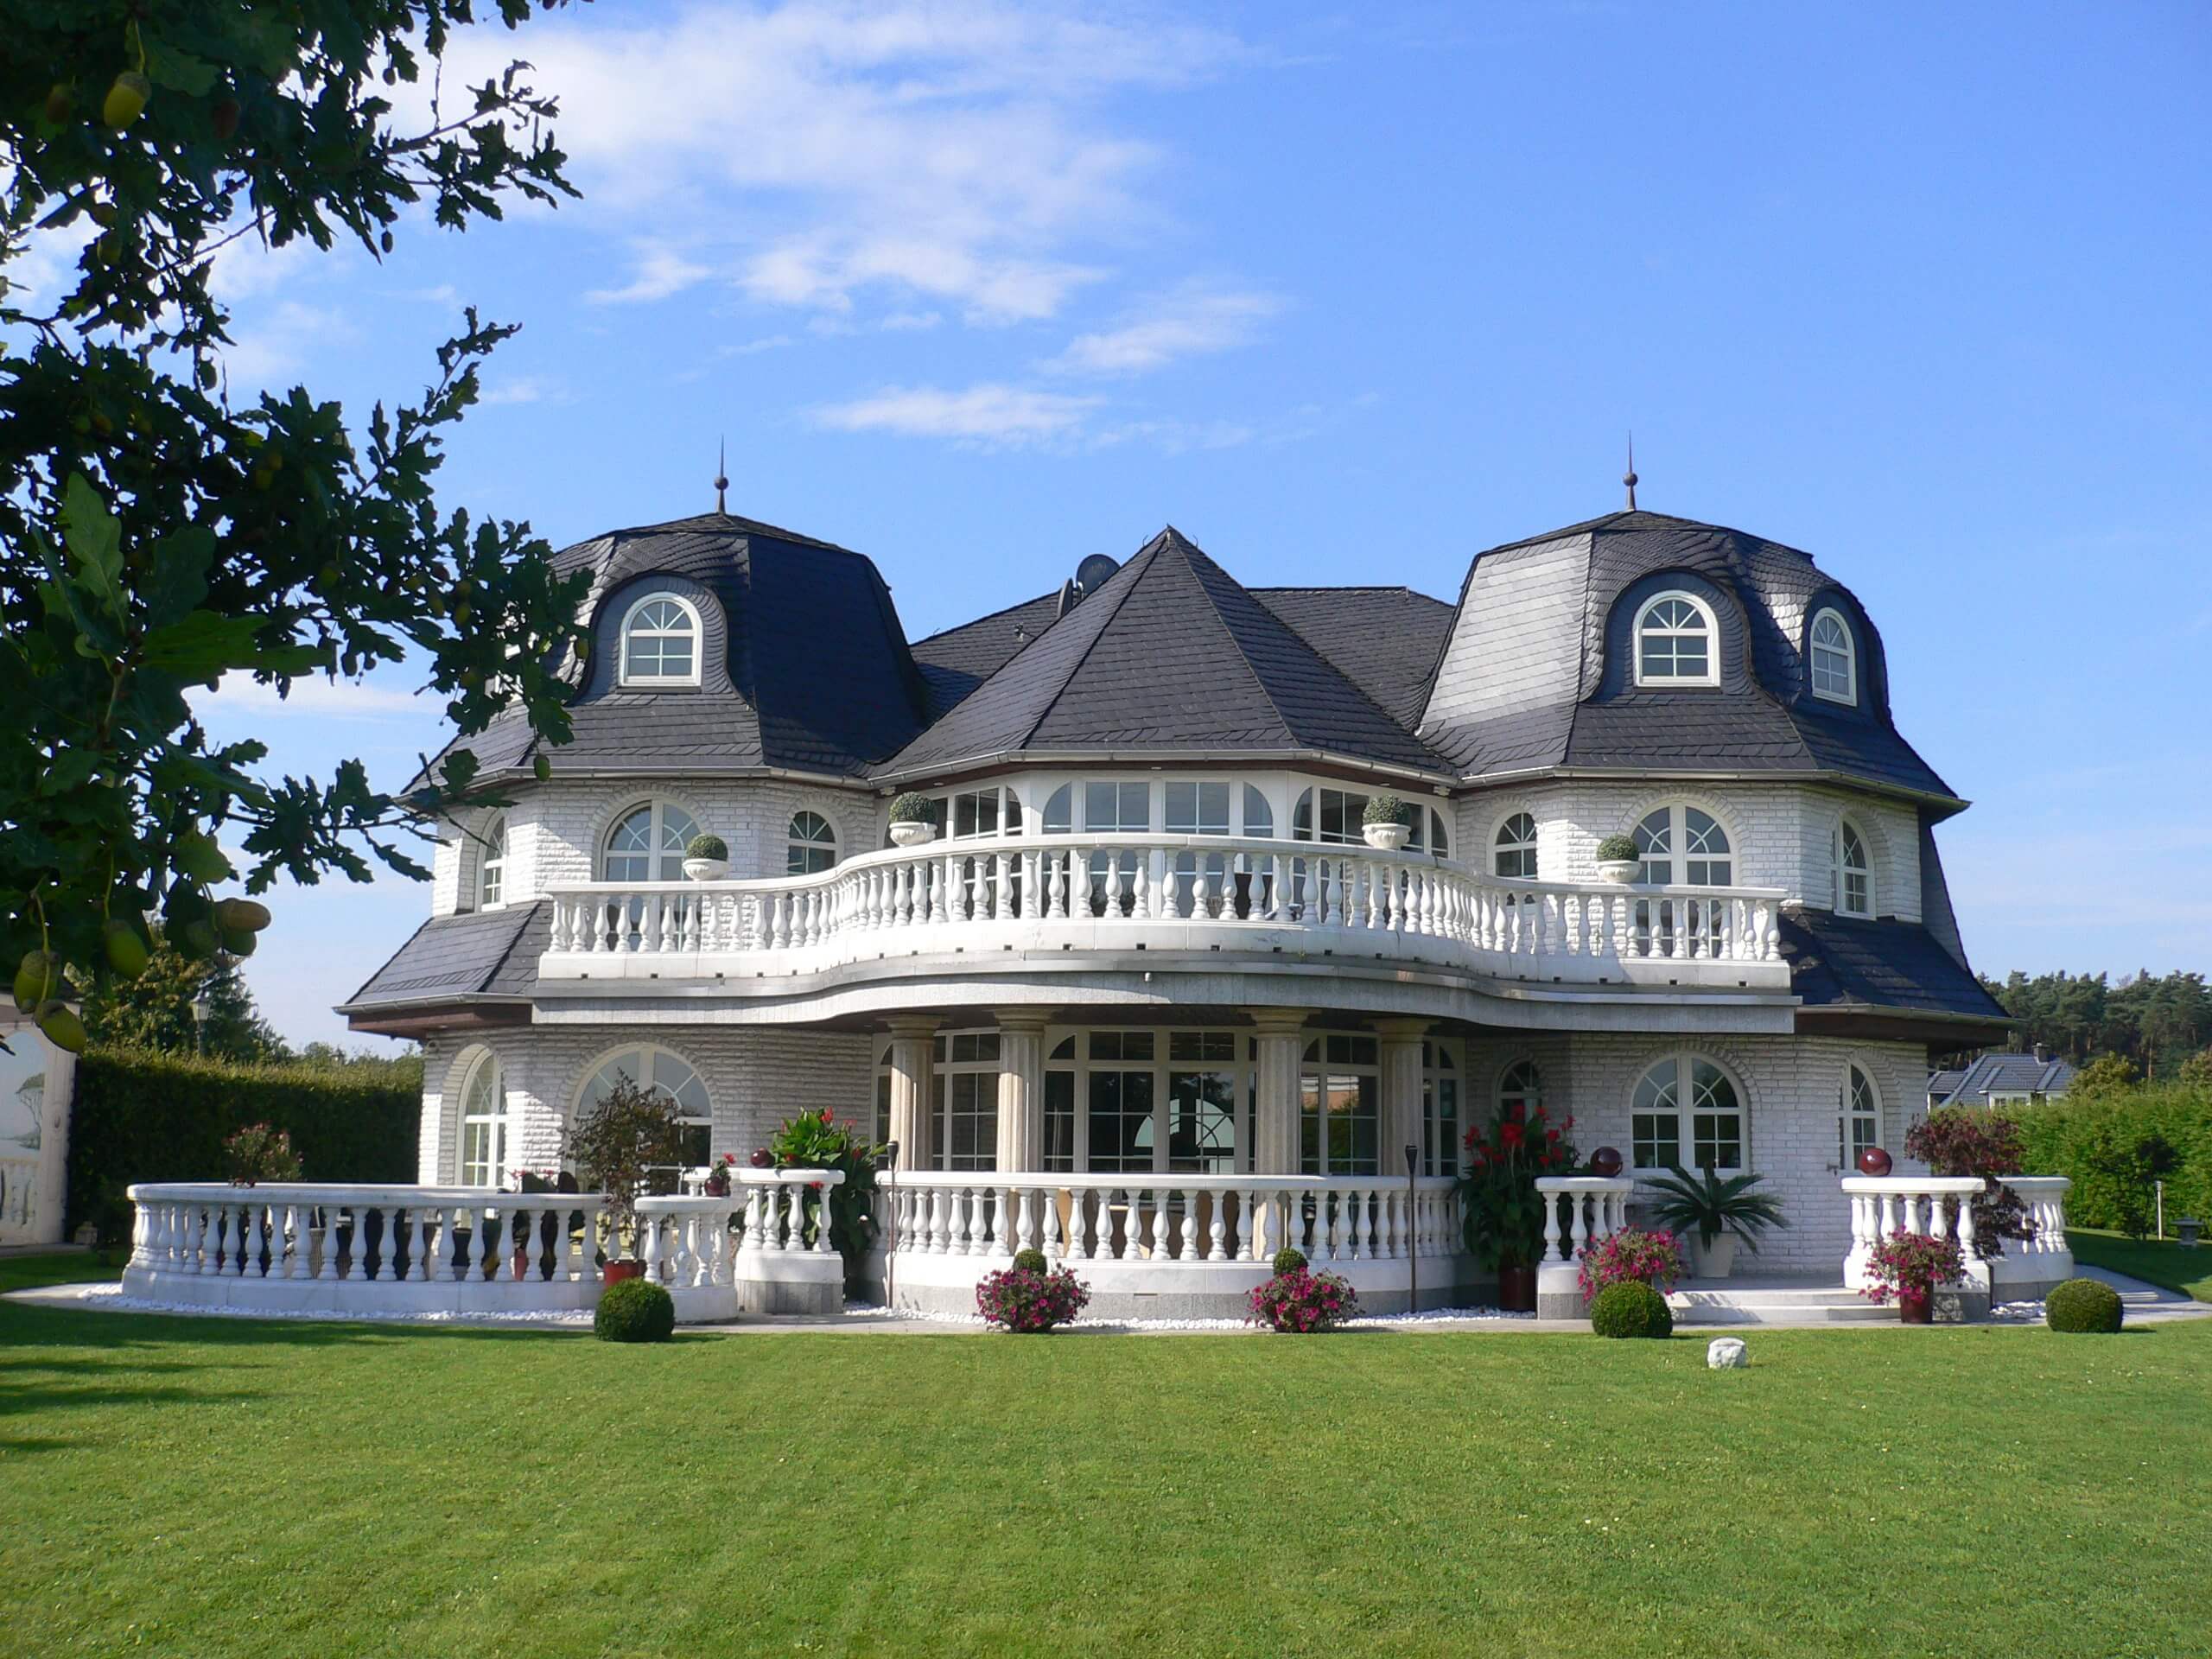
x=1628, y=477
x=722, y=477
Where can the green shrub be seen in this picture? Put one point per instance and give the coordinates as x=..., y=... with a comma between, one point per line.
x=1289, y=1262
x=636, y=1310
x=1617, y=849
x=1385, y=809
x=1032, y=1262
x=2111, y=1143
x=2080, y=1304
x=1631, y=1309
x=706, y=847
x=912, y=807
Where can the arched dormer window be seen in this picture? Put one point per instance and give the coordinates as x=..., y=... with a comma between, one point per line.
x=1514, y=848
x=811, y=845
x=1835, y=658
x=1853, y=872
x=660, y=642
x=1677, y=642
x=648, y=843
x=491, y=866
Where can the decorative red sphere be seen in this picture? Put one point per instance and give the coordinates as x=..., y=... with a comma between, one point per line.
x=762, y=1158
x=1873, y=1162
x=1605, y=1161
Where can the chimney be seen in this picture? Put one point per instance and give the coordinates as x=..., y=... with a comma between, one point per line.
x=2043, y=1054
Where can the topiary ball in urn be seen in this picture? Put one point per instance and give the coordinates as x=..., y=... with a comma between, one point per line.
x=705, y=858
x=1386, y=823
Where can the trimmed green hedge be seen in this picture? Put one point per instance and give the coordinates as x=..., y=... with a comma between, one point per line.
x=144, y=1116
x=2092, y=1139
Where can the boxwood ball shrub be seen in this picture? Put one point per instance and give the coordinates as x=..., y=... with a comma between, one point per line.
x=1288, y=1261
x=1631, y=1309
x=2083, y=1305
x=1031, y=1260
x=707, y=847
x=1617, y=849
x=635, y=1309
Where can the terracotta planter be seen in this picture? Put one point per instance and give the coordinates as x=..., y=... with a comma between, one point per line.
x=1914, y=1307
x=1516, y=1289
x=613, y=1273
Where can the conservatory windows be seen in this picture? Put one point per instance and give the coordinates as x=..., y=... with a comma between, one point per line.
x=972, y=812
x=1197, y=809
x=1853, y=871
x=491, y=866
x=1339, y=1096
x=1335, y=817
x=660, y=1072
x=1514, y=848
x=1859, y=1118
x=966, y=1093
x=484, y=1125
x=648, y=843
x=1675, y=642
x=1835, y=658
x=811, y=845
x=660, y=642
x=1684, y=1105
x=1440, y=1107
x=1682, y=845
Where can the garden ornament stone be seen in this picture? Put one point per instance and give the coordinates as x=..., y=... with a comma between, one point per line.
x=1726, y=1354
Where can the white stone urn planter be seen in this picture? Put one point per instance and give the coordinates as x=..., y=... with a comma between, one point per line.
x=1387, y=837
x=912, y=835
x=705, y=869
x=1619, y=871
x=1714, y=1261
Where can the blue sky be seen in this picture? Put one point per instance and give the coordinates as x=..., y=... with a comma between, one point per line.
x=979, y=290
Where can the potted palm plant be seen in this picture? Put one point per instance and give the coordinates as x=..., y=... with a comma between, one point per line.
x=1385, y=823
x=1618, y=860
x=616, y=1147
x=1715, y=1214
x=705, y=858
x=912, y=819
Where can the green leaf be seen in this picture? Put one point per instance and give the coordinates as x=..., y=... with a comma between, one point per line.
x=203, y=645
x=179, y=71
x=94, y=538
x=179, y=579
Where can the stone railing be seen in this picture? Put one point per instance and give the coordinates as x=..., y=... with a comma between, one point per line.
x=1195, y=892
x=746, y=1251
x=1942, y=1205
x=1172, y=1244
x=1596, y=1207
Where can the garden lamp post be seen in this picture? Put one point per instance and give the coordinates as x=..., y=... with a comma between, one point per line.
x=1412, y=1232
x=199, y=1024
x=891, y=1227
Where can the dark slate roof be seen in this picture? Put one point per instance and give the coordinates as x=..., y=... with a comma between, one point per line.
x=1172, y=655
x=488, y=952
x=1838, y=961
x=805, y=666
x=2000, y=1074
x=1535, y=672
x=1384, y=640
x=956, y=661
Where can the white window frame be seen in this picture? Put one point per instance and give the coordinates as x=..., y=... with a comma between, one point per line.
x=1685, y=1112
x=649, y=682
x=648, y=1052
x=1849, y=1113
x=659, y=806
x=1710, y=629
x=1316, y=1073
x=1678, y=854
x=794, y=842
x=491, y=866
x=1848, y=651
x=1516, y=845
x=1840, y=870
x=494, y=1164
x=1443, y=1061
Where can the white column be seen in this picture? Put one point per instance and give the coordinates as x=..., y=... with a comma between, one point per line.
x=1281, y=1034
x=912, y=1101
x=1022, y=1089
x=1399, y=1127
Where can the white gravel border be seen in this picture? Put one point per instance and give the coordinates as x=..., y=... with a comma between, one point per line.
x=109, y=1299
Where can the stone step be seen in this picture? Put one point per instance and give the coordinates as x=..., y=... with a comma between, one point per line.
x=1822, y=1306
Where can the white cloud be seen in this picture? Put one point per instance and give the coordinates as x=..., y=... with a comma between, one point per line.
x=991, y=417
x=1190, y=323
x=277, y=340
x=659, y=275
x=240, y=697
x=526, y=388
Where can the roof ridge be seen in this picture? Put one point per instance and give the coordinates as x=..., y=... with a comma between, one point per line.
x=1140, y=561
x=1243, y=657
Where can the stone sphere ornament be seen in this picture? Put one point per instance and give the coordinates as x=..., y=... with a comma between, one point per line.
x=1605, y=1161
x=1873, y=1162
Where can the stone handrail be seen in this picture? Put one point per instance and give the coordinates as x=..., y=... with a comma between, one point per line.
x=1940, y=1205
x=1168, y=892
x=1179, y=1221
x=694, y=1238
x=2045, y=1198
x=1597, y=1207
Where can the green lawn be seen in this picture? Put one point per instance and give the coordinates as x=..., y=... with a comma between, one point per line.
x=203, y=1487
x=2189, y=1272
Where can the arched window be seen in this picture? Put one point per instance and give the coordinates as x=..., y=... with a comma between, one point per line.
x=1060, y=810
x=1520, y=1091
x=662, y=1072
x=1683, y=845
x=491, y=866
x=484, y=1125
x=1259, y=817
x=811, y=845
x=660, y=642
x=1676, y=642
x=1859, y=1118
x=1853, y=871
x=1685, y=1113
x=648, y=843
x=1514, y=848
x=1835, y=658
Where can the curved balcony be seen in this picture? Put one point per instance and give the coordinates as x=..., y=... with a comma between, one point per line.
x=1052, y=894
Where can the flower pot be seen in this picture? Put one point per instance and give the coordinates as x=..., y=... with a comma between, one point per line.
x=1619, y=871
x=1714, y=1261
x=613, y=1273
x=1387, y=837
x=1516, y=1289
x=522, y=1262
x=705, y=869
x=912, y=835
x=1914, y=1307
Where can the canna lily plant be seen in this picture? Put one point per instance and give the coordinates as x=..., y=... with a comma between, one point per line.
x=1505, y=1213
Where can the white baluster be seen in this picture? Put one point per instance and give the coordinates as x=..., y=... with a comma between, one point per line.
x=1551, y=1228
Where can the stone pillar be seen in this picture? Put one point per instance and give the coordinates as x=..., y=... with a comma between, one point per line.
x=1399, y=1121
x=1022, y=1089
x=913, y=1103
x=1281, y=1034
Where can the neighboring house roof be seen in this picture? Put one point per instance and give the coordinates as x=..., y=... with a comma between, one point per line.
x=1854, y=965
x=1171, y=655
x=483, y=953
x=1537, y=672
x=1999, y=1074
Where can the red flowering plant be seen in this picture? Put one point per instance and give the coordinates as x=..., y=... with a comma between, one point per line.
x=818, y=1141
x=720, y=1173
x=1026, y=1299
x=1965, y=1141
x=1649, y=1258
x=259, y=1153
x=1909, y=1266
x=1303, y=1302
x=1505, y=1211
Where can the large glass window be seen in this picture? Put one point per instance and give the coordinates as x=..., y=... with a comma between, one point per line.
x=1514, y=848
x=1674, y=642
x=661, y=1072
x=811, y=845
x=1059, y=1106
x=648, y=843
x=1859, y=1118
x=1339, y=1106
x=1439, y=1108
x=1202, y=1101
x=1685, y=1103
x=1259, y=817
x=1120, y=1099
x=967, y=1097
x=1835, y=658
x=660, y=643
x=484, y=1125
x=1682, y=844
x=1853, y=873
x=1197, y=809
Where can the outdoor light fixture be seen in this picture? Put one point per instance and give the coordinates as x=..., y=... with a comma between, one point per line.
x=198, y=1024
x=1412, y=1232
x=891, y=1229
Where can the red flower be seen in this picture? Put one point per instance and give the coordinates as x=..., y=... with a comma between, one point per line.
x=1510, y=1132
x=828, y=1116
x=1551, y=1136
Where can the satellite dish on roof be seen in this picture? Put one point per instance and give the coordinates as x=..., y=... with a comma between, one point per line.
x=1092, y=575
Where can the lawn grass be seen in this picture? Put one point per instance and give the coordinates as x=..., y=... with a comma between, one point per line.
x=2152, y=1261
x=211, y=1487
